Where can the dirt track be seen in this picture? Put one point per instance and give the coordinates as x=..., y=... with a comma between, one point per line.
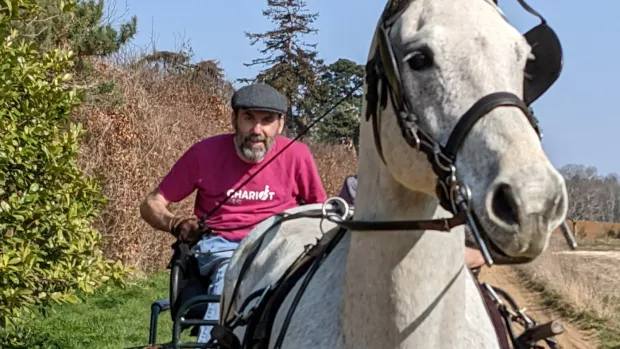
x=505, y=278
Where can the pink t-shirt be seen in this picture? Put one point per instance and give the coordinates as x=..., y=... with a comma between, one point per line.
x=212, y=167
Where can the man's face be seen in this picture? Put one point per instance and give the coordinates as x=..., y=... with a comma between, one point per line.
x=255, y=133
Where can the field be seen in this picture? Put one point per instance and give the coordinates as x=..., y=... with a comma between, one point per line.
x=580, y=286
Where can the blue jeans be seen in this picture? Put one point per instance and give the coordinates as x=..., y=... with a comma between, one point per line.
x=213, y=264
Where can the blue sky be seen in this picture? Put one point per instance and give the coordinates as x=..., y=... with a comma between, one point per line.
x=578, y=114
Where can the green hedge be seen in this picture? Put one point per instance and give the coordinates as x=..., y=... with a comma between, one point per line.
x=48, y=247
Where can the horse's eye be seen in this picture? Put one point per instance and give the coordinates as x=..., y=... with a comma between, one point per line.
x=420, y=61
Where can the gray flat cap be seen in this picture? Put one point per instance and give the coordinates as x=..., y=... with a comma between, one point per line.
x=259, y=97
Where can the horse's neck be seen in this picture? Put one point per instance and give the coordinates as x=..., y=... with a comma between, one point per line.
x=394, y=278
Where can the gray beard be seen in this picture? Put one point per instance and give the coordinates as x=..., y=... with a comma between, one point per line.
x=253, y=155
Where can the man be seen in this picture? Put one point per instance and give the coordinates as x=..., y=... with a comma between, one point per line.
x=473, y=257
x=216, y=166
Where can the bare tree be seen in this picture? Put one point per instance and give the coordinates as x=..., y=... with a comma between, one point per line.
x=592, y=196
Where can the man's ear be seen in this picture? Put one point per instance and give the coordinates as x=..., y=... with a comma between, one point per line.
x=233, y=119
x=281, y=127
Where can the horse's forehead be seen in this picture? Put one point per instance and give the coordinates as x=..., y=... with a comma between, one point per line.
x=395, y=8
x=453, y=21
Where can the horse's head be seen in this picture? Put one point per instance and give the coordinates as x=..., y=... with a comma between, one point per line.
x=457, y=75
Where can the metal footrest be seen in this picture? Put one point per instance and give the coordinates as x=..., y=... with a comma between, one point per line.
x=180, y=322
x=157, y=308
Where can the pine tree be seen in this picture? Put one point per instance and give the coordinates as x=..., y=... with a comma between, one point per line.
x=292, y=65
x=85, y=29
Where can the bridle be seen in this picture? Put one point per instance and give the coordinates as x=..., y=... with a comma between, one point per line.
x=453, y=194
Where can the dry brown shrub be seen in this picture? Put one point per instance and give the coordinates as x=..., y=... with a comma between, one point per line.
x=334, y=162
x=131, y=145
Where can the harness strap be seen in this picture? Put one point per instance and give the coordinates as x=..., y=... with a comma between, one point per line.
x=494, y=315
x=225, y=337
x=440, y=224
x=477, y=111
x=259, y=242
x=318, y=260
x=259, y=329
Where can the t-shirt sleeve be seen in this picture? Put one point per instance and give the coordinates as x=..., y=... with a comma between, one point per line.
x=309, y=183
x=180, y=182
x=347, y=192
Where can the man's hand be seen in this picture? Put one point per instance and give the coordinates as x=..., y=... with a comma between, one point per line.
x=185, y=228
x=154, y=210
x=474, y=258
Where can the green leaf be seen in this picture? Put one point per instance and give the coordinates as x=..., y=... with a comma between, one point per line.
x=9, y=6
x=71, y=299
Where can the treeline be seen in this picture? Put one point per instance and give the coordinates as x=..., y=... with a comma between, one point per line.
x=592, y=196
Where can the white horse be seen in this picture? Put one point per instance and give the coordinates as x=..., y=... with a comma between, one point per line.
x=410, y=288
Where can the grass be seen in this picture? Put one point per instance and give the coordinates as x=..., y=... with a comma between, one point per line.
x=115, y=319
x=582, y=289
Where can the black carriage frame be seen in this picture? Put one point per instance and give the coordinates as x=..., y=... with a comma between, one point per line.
x=182, y=268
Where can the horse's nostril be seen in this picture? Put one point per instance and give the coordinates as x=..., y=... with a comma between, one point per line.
x=504, y=205
x=558, y=208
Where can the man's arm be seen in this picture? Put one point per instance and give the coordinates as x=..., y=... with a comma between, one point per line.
x=178, y=184
x=154, y=210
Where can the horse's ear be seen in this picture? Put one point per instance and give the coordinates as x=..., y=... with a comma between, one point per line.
x=393, y=8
